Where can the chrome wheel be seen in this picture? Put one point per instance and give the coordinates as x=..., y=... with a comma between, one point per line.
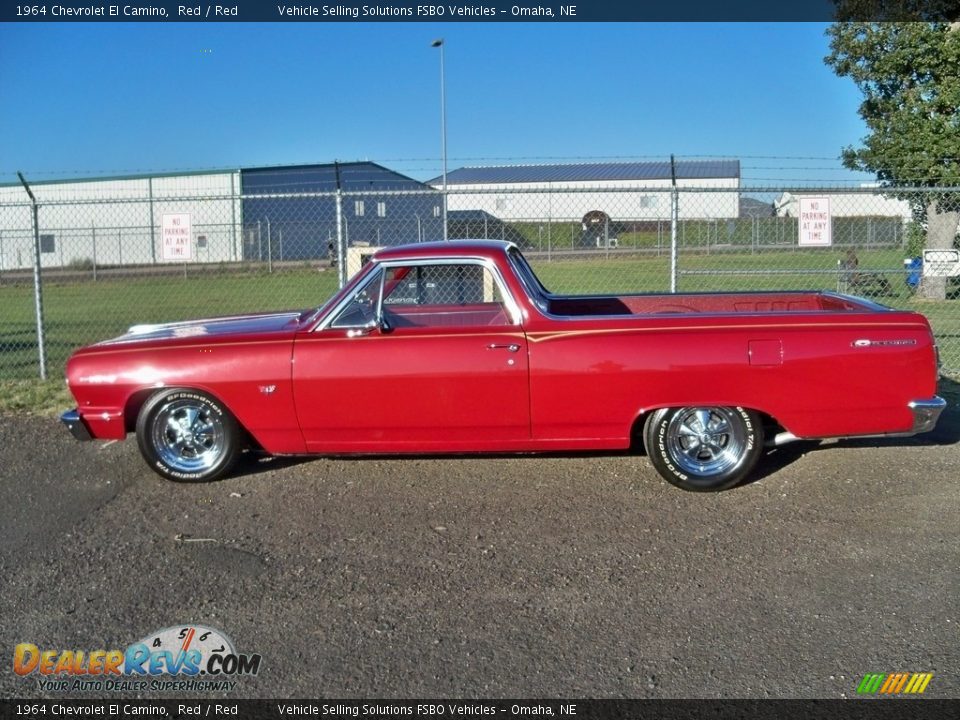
x=706, y=441
x=188, y=435
x=704, y=448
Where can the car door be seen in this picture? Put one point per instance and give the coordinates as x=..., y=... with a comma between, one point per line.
x=425, y=357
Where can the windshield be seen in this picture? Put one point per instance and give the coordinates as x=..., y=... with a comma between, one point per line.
x=314, y=314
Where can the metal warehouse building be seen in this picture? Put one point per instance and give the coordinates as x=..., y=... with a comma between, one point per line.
x=291, y=212
x=116, y=221
x=622, y=191
x=273, y=214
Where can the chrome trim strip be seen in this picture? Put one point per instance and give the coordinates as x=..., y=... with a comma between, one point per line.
x=384, y=265
x=335, y=310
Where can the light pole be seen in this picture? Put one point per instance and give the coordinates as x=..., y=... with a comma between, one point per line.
x=443, y=130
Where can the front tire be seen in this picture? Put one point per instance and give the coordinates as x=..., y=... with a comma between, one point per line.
x=704, y=449
x=187, y=436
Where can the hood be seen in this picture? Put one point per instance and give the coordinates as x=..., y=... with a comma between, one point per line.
x=211, y=328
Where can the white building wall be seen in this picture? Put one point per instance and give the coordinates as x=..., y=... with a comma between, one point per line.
x=118, y=222
x=859, y=204
x=623, y=200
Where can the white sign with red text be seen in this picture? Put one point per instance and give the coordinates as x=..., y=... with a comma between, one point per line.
x=815, y=226
x=176, y=237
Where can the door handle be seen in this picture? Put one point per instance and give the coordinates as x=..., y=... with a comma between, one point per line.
x=512, y=347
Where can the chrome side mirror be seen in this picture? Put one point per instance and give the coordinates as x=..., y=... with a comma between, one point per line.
x=362, y=330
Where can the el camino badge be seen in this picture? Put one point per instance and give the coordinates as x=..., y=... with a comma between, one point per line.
x=882, y=343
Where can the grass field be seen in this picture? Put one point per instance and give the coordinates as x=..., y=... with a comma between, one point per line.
x=78, y=313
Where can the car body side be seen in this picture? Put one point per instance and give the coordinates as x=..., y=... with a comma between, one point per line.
x=574, y=383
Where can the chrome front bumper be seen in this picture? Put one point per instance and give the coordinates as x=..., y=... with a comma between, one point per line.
x=75, y=424
x=926, y=413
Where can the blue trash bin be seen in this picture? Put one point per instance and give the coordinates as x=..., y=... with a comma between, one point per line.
x=914, y=267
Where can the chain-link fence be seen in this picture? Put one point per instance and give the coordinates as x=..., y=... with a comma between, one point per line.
x=179, y=250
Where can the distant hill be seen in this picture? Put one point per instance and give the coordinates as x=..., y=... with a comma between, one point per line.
x=751, y=207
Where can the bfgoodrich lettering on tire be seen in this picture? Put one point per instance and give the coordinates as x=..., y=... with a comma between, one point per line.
x=704, y=448
x=187, y=436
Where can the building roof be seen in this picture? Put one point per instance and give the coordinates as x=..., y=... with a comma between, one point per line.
x=583, y=172
x=354, y=176
x=114, y=178
x=318, y=177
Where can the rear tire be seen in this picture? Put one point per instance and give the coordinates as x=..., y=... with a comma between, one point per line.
x=187, y=436
x=704, y=449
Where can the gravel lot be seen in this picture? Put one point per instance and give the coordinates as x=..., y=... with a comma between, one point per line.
x=496, y=577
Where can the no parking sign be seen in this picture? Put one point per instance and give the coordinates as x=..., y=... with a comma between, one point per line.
x=815, y=224
x=176, y=237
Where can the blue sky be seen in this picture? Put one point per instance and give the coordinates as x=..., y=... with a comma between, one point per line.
x=114, y=98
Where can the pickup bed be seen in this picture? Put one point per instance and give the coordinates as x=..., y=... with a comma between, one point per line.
x=458, y=347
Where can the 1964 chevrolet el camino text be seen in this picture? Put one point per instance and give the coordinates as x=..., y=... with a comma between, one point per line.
x=458, y=348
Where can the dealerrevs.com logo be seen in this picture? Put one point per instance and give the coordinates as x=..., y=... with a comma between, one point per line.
x=179, y=659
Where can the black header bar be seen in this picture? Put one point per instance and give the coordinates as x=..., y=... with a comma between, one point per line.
x=478, y=11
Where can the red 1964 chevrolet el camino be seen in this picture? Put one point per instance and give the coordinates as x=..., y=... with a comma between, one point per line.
x=458, y=348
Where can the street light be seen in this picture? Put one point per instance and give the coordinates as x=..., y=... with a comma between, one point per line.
x=438, y=43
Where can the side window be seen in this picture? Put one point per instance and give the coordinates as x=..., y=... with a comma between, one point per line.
x=362, y=308
x=462, y=295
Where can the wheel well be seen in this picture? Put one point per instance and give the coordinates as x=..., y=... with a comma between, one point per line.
x=636, y=431
x=132, y=407
x=770, y=427
x=137, y=399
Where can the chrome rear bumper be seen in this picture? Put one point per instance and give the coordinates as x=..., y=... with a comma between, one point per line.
x=926, y=413
x=925, y=416
x=75, y=424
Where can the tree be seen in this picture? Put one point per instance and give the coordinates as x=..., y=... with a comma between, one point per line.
x=909, y=75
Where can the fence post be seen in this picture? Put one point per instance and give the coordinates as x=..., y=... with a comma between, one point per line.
x=606, y=237
x=233, y=216
x=37, y=281
x=674, y=220
x=153, y=232
x=93, y=229
x=341, y=240
x=341, y=250
x=269, y=248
